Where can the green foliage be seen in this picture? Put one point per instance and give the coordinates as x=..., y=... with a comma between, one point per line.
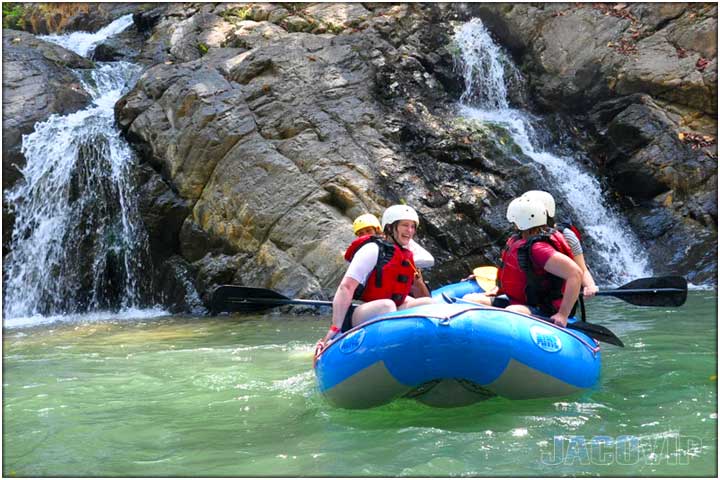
x=12, y=14
x=334, y=28
x=202, y=48
x=236, y=14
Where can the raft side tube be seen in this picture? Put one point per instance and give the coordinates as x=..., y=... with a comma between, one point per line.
x=453, y=355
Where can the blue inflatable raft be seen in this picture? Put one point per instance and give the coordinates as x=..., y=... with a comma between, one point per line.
x=455, y=354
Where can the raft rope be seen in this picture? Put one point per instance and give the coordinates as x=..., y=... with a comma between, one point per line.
x=594, y=349
x=445, y=320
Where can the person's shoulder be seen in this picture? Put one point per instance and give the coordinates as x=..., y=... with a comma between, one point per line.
x=369, y=246
x=422, y=257
x=570, y=235
x=542, y=247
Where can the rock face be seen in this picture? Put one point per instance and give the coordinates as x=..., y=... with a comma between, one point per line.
x=278, y=138
x=642, y=79
x=277, y=127
x=37, y=82
x=264, y=129
x=48, y=18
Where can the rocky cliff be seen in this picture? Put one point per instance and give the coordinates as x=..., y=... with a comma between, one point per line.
x=640, y=80
x=263, y=129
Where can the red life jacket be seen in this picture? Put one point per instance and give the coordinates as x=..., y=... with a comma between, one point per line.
x=393, y=274
x=519, y=280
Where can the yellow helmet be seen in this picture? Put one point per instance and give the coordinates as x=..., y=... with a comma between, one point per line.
x=364, y=221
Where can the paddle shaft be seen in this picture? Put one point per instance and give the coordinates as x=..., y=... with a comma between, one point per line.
x=632, y=291
x=276, y=302
x=668, y=291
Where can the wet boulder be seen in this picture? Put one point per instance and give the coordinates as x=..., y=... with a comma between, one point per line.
x=671, y=185
x=162, y=211
x=126, y=46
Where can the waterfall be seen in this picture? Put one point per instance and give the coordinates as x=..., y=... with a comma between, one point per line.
x=487, y=70
x=78, y=244
x=84, y=42
x=483, y=65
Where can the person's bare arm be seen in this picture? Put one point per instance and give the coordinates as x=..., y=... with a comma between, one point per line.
x=341, y=303
x=564, y=267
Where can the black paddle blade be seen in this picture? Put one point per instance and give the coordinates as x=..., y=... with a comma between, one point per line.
x=235, y=298
x=598, y=332
x=670, y=291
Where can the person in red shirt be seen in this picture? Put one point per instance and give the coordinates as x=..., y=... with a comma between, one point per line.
x=537, y=274
x=571, y=234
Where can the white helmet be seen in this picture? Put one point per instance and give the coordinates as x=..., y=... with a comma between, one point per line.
x=543, y=197
x=399, y=212
x=526, y=213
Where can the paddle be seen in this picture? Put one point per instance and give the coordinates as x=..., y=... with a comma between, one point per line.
x=485, y=277
x=670, y=291
x=595, y=331
x=598, y=332
x=235, y=298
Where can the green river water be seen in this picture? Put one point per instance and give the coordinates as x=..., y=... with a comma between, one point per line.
x=236, y=396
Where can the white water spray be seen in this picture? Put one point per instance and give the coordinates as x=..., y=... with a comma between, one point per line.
x=78, y=243
x=484, y=66
x=83, y=42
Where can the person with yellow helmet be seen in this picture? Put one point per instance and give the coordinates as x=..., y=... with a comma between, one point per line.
x=382, y=272
x=366, y=224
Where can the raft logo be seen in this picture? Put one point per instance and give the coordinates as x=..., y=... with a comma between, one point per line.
x=622, y=450
x=546, y=339
x=353, y=341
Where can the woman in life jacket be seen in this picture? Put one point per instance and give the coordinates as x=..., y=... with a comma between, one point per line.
x=368, y=224
x=383, y=270
x=572, y=237
x=537, y=272
x=571, y=234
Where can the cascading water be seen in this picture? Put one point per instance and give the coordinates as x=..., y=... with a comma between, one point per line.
x=484, y=66
x=78, y=244
x=83, y=43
